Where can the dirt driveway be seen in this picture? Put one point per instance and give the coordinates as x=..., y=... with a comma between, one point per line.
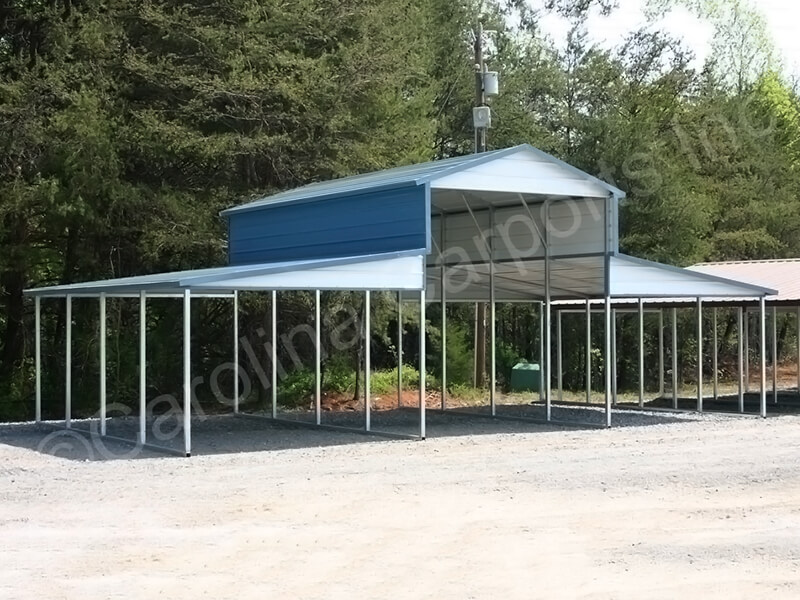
x=693, y=509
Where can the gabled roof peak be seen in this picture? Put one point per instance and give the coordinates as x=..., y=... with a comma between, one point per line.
x=415, y=174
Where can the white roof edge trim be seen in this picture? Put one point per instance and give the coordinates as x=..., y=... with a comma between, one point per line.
x=216, y=280
x=759, y=290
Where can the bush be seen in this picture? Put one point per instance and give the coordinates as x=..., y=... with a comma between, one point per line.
x=467, y=393
x=385, y=381
x=296, y=387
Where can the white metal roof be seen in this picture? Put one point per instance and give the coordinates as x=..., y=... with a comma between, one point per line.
x=520, y=169
x=395, y=271
x=637, y=278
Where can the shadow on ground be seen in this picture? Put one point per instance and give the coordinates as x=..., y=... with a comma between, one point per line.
x=227, y=434
x=788, y=403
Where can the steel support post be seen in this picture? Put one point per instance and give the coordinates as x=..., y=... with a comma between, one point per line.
x=399, y=349
x=318, y=357
x=700, y=355
x=674, y=358
x=740, y=371
x=68, y=367
x=142, y=367
x=274, y=308
x=762, y=318
x=367, y=360
x=641, y=353
x=774, y=354
x=187, y=372
x=660, y=352
x=236, y=351
x=559, y=358
x=38, y=356
x=607, y=358
x=588, y=352
x=613, y=357
x=422, y=328
x=715, y=354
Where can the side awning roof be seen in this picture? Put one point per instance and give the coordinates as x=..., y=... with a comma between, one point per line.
x=637, y=278
x=396, y=271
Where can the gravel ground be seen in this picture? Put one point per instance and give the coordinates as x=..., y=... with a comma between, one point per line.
x=668, y=506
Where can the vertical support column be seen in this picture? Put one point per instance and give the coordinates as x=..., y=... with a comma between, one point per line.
x=588, y=352
x=547, y=324
x=142, y=367
x=641, y=353
x=559, y=358
x=746, y=334
x=607, y=358
x=444, y=345
x=442, y=237
x=660, y=352
x=798, y=349
x=548, y=384
x=422, y=364
x=236, y=351
x=699, y=355
x=492, y=318
x=68, y=367
x=38, y=357
x=762, y=318
x=399, y=348
x=740, y=371
x=541, y=351
x=274, y=354
x=187, y=372
x=715, y=354
x=613, y=357
x=774, y=354
x=318, y=357
x=367, y=360
x=102, y=364
x=674, y=358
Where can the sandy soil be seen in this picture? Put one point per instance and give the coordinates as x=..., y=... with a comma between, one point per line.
x=706, y=508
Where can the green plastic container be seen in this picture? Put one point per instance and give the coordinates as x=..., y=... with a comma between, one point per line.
x=525, y=377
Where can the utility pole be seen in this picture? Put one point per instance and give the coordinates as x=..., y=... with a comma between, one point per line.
x=480, y=96
x=479, y=378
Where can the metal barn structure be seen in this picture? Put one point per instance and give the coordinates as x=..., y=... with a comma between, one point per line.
x=782, y=275
x=512, y=225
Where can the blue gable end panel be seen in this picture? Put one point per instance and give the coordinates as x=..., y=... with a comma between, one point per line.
x=369, y=222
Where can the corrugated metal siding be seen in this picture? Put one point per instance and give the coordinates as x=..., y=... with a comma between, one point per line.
x=389, y=220
x=576, y=227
